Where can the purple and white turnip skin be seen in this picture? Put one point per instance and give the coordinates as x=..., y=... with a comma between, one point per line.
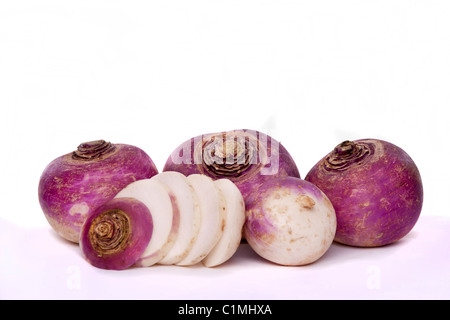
x=72, y=186
x=375, y=188
x=289, y=221
x=116, y=234
x=246, y=157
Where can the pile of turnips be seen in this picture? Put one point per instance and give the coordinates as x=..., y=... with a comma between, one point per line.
x=216, y=189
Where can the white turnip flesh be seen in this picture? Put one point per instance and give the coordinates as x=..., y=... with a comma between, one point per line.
x=189, y=211
x=234, y=222
x=212, y=210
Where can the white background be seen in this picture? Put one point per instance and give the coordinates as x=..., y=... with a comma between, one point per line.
x=155, y=73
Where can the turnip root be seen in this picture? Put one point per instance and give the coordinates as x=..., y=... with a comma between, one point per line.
x=246, y=157
x=375, y=188
x=72, y=186
x=116, y=234
x=289, y=221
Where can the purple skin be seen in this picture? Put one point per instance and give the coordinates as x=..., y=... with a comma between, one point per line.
x=245, y=168
x=375, y=188
x=116, y=234
x=74, y=185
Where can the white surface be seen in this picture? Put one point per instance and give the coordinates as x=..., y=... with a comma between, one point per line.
x=153, y=74
x=40, y=265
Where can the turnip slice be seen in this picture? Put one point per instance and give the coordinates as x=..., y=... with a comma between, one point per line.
x=189, y=214
x=164, y=208
x=212, y=218
x=235, y=218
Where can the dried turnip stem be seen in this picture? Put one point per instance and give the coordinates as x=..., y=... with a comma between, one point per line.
x=346, y=155
x=109, y=232
x=93, y=150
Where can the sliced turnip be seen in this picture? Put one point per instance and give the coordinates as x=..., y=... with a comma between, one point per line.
x=164, y=208
x=189, y=214
x=235, y=218
x=212, y=208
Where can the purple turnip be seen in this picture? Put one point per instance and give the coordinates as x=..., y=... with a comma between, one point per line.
x=116, y=234
x=72, y=186
x=375, y=188
x=246, y=157
x=289, y=221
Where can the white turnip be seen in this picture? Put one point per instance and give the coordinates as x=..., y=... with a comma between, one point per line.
x=289, y=221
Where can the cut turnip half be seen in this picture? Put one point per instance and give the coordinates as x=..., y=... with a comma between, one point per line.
x=189, y=215
x=212, y=208
x=164, y=208
x=235, y=218
x=116, y=234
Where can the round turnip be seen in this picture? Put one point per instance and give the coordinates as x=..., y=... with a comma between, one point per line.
x=246, y=157
x=375, y=188
x=289, y=221
x=74, y=185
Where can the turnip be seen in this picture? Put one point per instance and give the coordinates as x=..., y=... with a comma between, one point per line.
x=246, y=157
x=212, y=208
x=289, y=221
x=72, y=186
x=189, y=211
x=163, y=205
x=234, y=222
x=375, y=188
x=116, y=234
